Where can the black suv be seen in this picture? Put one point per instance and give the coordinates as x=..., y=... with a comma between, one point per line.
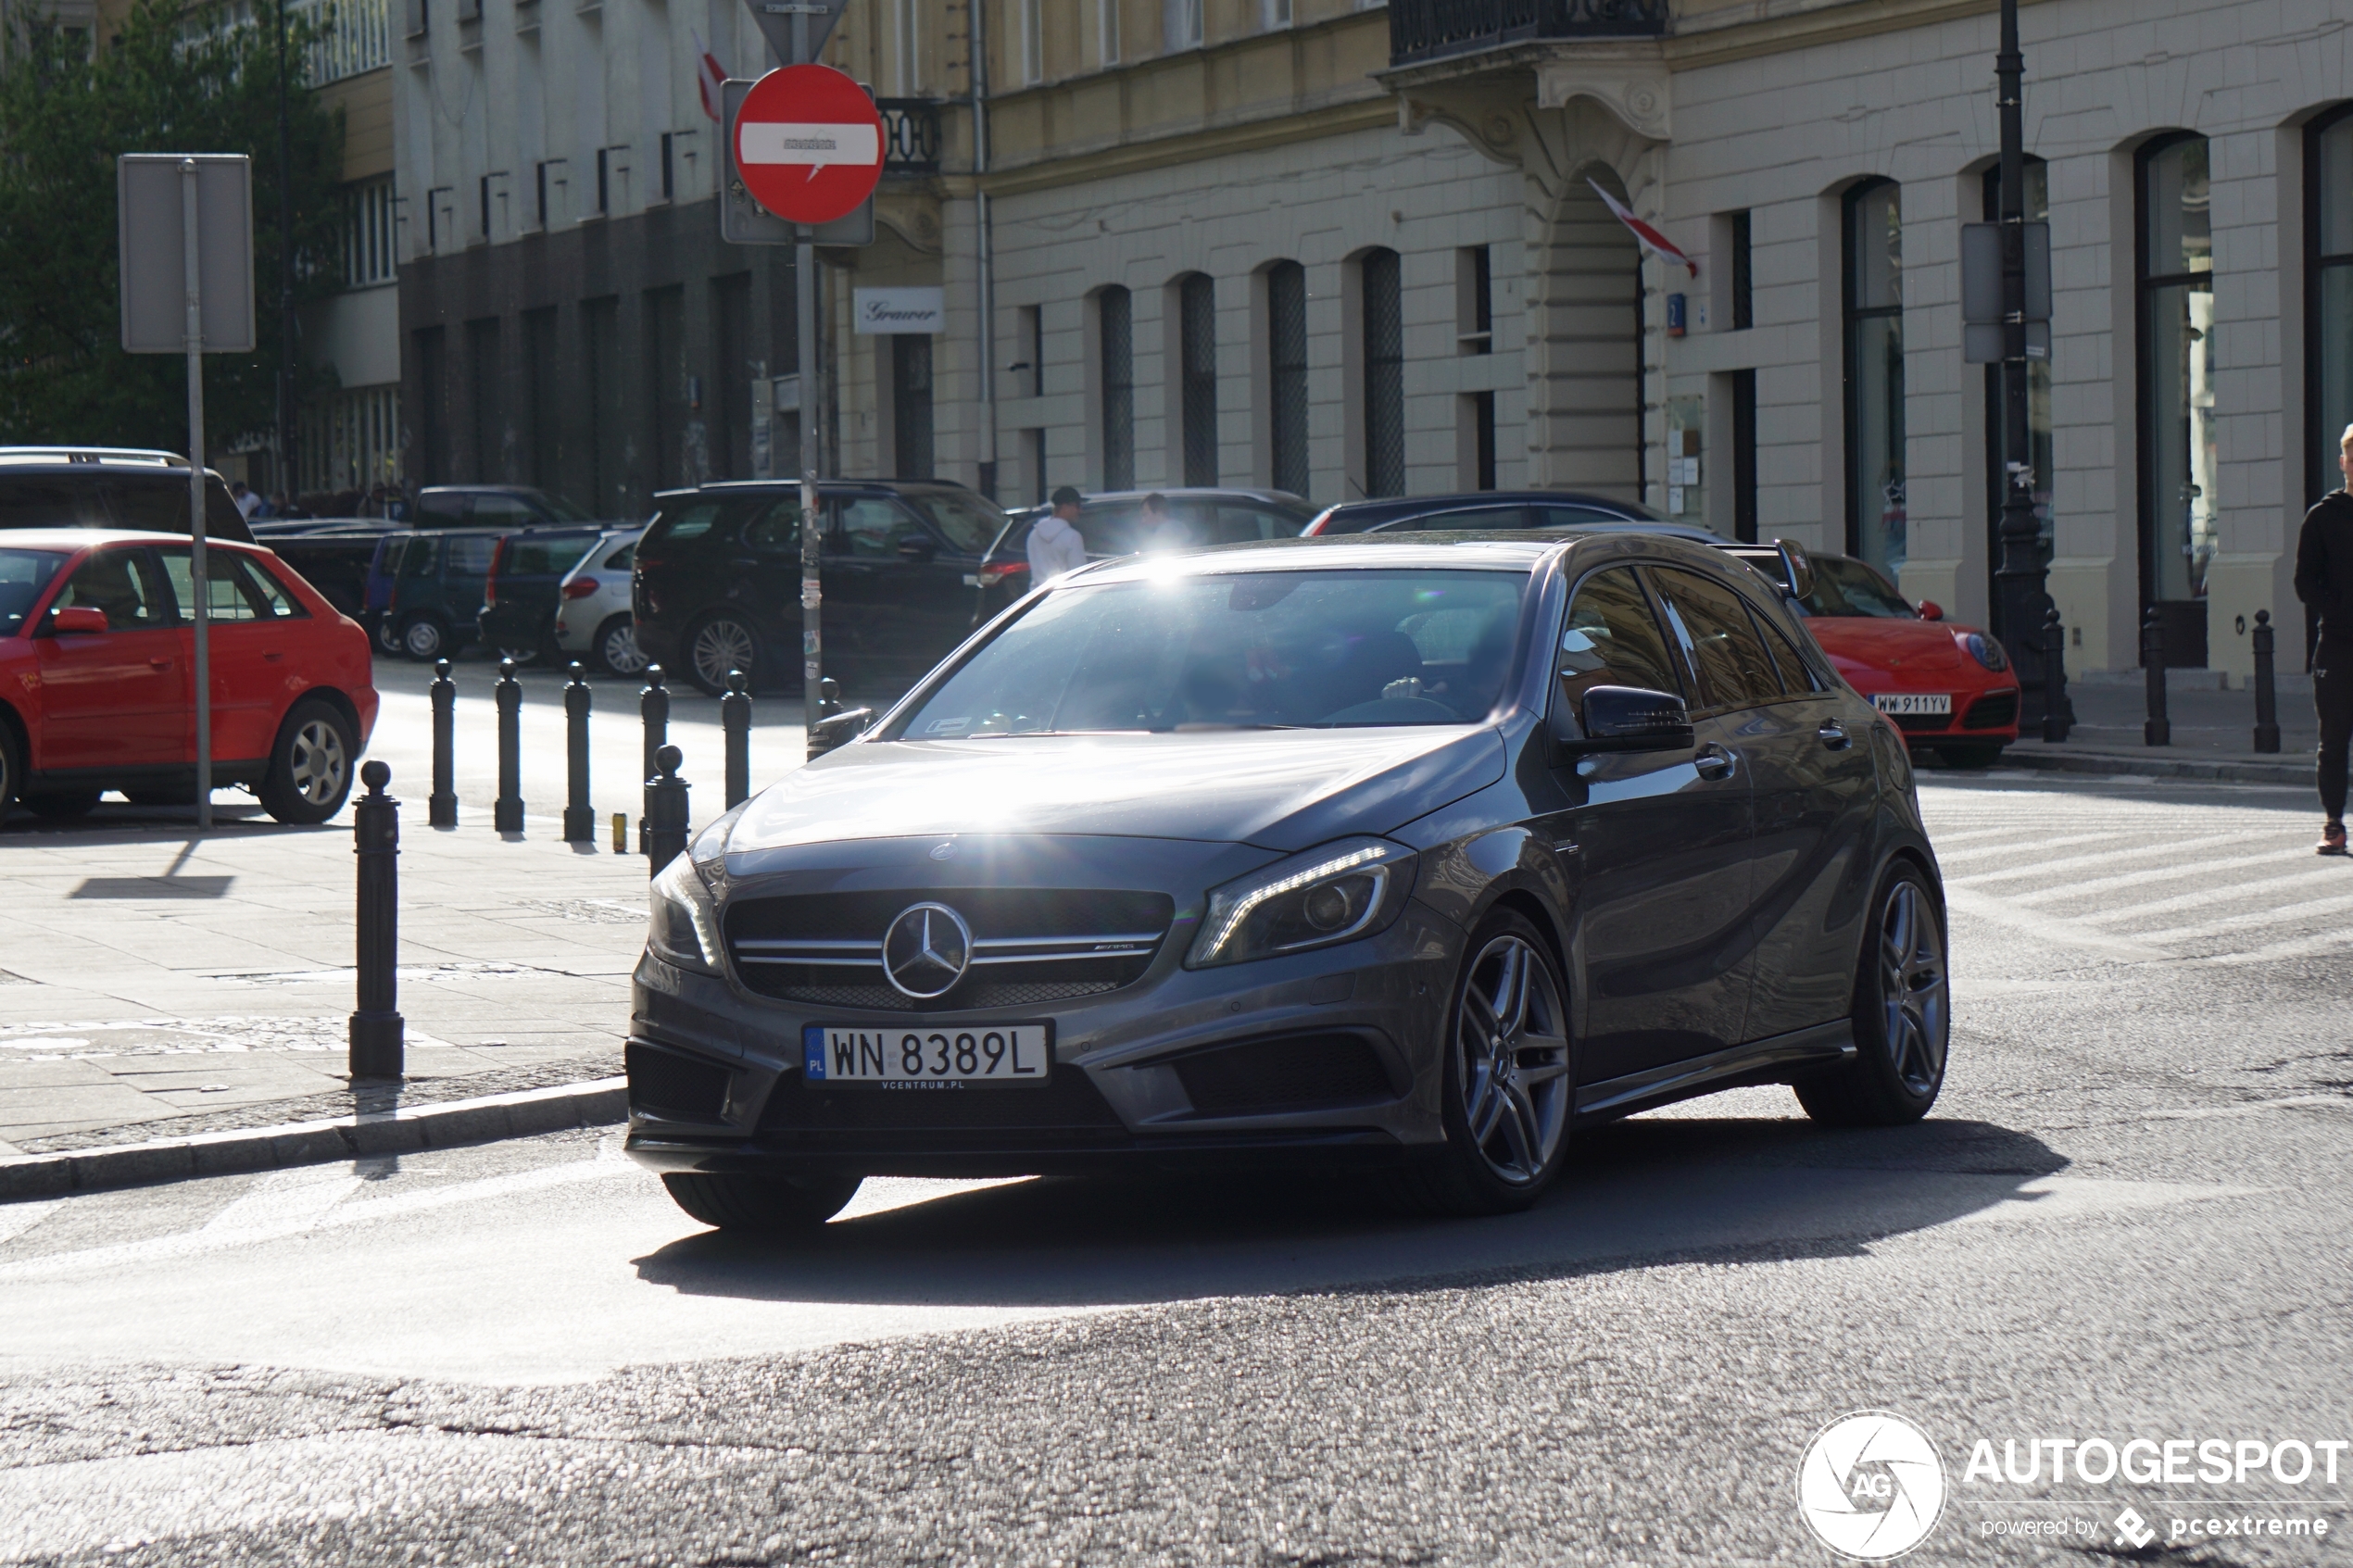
x=1479, y=509
x=110, y=487
x=717, y=581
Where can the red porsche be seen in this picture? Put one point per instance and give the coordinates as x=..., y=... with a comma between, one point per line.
x=1950, y=688
x=96, y=690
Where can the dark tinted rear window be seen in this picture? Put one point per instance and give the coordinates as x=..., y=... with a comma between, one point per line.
x=548, y=558
x=159, y=502
x=682, y=523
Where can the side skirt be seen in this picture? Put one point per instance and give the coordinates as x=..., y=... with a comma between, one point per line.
x=1759, y=1061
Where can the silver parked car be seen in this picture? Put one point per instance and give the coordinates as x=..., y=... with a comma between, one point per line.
x=1408, y=852
x=593, y=618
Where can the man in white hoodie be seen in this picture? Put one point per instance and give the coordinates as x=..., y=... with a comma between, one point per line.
x=1054, y=542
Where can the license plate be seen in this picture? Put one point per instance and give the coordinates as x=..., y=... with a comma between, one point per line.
x=1913, y=702
x=898, y=1057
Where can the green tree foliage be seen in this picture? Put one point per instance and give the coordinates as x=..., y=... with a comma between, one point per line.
x=174, y=80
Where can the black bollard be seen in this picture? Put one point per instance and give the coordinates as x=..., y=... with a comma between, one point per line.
x=376, y=1027
x=2058, y=719
x=580, y=819
x=735, y=717
x=828, y=697
x=653, y=709
x=666, y=813
x=441, y=805
x=2267, y=696
x=2157, y=730
x=506, y=813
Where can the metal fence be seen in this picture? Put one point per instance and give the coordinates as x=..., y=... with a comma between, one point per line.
x=911, y=135
x=1423, y=30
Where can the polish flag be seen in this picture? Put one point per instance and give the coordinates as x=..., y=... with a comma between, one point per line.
x=711, y=78
x=1650, y=238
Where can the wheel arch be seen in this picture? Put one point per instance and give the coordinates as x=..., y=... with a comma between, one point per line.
x=13, y=722
x=334, y=696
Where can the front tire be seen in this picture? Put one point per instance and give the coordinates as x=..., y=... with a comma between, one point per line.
x=615, y=647
x=1903, y=1015
x=1508, y=1091
x=311, y=764
x=715, y=645
x=761, y=1205
x=61, y=805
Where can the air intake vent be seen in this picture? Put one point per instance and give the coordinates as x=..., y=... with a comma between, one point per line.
x=1307, y=1072
x=663, y=1084
x=1996, y=712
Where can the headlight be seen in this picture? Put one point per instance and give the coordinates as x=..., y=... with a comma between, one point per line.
x=1335, y=894
x=1986, y=651
x=685, y=928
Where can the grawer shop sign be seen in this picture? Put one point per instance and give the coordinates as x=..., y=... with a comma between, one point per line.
x=1873, y=1485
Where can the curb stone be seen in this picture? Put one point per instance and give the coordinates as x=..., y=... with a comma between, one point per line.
x=599, y=1103
x=2296, y=775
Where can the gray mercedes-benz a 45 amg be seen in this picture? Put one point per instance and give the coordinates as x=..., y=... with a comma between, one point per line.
x=1408, y=853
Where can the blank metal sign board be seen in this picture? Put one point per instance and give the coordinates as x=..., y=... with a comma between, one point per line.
x=154, y=287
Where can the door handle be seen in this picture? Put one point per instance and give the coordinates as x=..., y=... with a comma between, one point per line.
x=1715, y=762
x=274, y=657
x=158, y=664
x=1834, y=735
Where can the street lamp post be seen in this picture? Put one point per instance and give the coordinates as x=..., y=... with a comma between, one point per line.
x=2020, y=579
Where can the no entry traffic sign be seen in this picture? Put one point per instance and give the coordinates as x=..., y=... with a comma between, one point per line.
x=809, y=144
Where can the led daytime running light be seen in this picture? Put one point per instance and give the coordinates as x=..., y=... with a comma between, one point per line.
x=1241, y=910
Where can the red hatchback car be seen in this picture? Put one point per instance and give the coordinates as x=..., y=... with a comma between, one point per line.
x=95, y=658
x=1950, y=688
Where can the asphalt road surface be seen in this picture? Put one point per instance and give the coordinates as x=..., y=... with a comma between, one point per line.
x=2125, y=1220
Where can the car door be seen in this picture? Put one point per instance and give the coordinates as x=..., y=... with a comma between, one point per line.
x=1815, y=785
x=246, y=650
x=1741, y=690
x=116, y=699
x=881, y=555
x=1657, y=845
x=764, y=584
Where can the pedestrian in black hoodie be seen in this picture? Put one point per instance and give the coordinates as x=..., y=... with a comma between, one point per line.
x=2324, y=581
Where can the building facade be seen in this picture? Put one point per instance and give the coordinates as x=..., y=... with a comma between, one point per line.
x=1353, y=249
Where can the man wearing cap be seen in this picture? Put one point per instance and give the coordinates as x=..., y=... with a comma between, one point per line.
x=1054, y=542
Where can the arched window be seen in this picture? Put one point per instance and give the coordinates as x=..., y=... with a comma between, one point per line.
x=2179, y=453
x=1114, y=321
x=2328, y=316
x=1197, y=366
x=2038, y=409
x=1286, y=373
x=1384, y=324
x=1876, y=517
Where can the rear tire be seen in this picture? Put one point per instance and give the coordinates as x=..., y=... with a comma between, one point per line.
x=423, y=638
x=761, y=1205
x=615, y=647
x=311, y=763
x=1903, y=1015
x=715, y=645
x=1508, y=1092
x=11, y=767
x=1977, y=754
x=61, y=805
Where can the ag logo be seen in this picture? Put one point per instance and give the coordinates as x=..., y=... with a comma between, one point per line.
x=1870, y=1485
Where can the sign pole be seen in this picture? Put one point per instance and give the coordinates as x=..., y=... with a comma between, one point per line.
x=812, y=595
x=190, y=254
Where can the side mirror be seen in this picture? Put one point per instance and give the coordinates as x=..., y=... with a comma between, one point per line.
x=1797, y=569
x=838, y=730
x=78, y=621
x=1628, y=719
x=917, y=548
x=1932, y=611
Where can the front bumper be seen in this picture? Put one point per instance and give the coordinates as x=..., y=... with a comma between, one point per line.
x=1978, y=716
x=1323, y=1059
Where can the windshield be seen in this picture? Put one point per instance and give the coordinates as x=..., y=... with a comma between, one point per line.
x=562, y=508
x=1844, y=585
x=967, y=523
x=1256, y=650
x=23, y=576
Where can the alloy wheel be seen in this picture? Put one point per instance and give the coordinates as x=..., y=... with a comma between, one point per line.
x=315, y=762
x=421, y=638
x=1913, y=997
x=1511, y=1037
x=720, y=646
x=619, y=651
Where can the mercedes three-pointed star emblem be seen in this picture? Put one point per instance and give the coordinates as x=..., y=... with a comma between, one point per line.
x=927, y=951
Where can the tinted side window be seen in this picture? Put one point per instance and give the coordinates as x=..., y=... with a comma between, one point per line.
x=440, y=512
x=469, y=555
x=618, y=560
x=1465, y=517
x=1797, y=678
x=1719, y=639
x=1572, y=516
x=680, y=524
x=873, y=529
x=1112, y=529
x=123, y=583
x=1238, y=522
x=1613, y=639
x=229, y=592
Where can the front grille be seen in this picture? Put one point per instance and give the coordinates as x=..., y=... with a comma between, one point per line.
x=1998, y=711
x=1030, y=946
x=669, y=1084
x=1310, y=1070
x=1930, y=721
x=1067, y=1109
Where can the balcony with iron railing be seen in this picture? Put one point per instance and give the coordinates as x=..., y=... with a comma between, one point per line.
x=911, y=135
x=1422, y=30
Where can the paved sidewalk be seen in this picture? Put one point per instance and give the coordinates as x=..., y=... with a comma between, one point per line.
x=2213, y=732
x=156, y=984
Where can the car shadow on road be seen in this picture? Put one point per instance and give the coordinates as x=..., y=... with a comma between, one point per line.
x=1636, y=1193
